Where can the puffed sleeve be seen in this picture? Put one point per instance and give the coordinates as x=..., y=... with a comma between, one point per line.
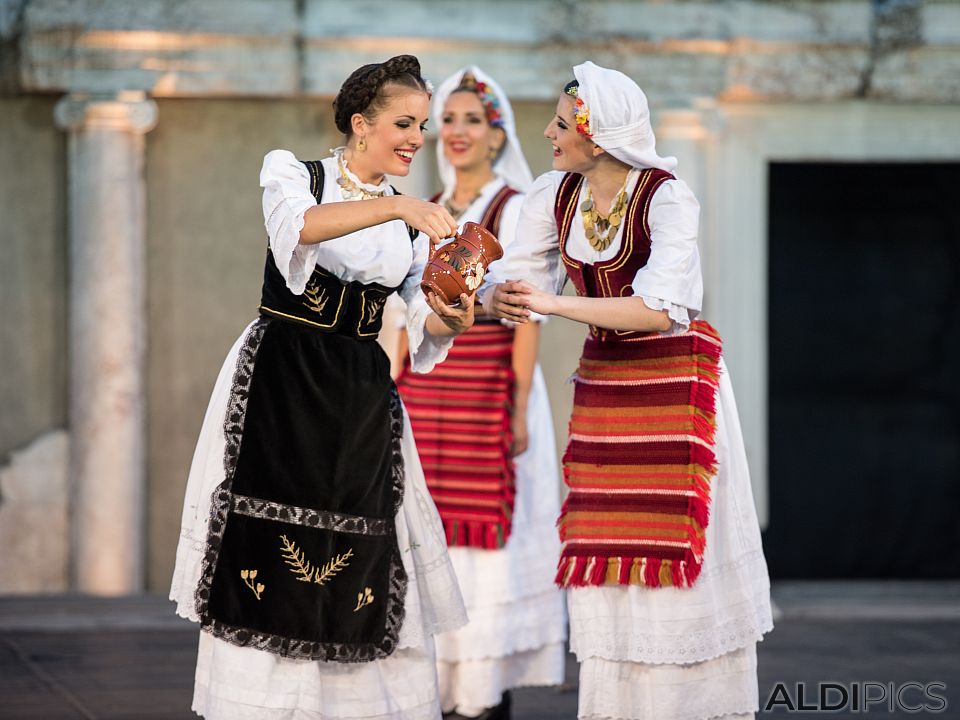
x=425, y=349
x=671, y=280
x=534, y=256
x=286, y=197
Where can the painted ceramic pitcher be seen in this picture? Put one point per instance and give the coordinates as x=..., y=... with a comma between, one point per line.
x=458, y=267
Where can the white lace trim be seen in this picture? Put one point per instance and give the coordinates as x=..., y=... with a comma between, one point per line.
x=725, y=687
x=525, y=567
x=503, y=630
x=677, y=313
x=426, y=351
x=433, y=595
x=382, y=187
x=701, y=633
x=472, y=685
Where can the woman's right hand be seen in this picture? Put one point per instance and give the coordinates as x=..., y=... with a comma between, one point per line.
x=427, y=217
x=509, y=301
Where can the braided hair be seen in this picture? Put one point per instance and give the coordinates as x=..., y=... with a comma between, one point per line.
x=368, y=88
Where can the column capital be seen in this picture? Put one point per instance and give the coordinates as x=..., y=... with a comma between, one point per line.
x=692, y=121
x=128, y=111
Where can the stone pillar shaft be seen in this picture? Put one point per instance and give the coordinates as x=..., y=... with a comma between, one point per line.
x=107, y=223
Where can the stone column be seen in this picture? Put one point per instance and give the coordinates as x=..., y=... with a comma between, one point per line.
x=107, y=321
x=694, y=135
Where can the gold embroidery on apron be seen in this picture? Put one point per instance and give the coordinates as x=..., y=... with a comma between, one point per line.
x=316, y=298
x=248, y=576
x=299, y=565
x=332, y=567
x=364, y=598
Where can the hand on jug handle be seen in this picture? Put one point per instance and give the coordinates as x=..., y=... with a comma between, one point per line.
x=429, y=218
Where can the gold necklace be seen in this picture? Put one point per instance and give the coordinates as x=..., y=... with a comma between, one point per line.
x=349, y=190
x=454, y=209
x=601, y=230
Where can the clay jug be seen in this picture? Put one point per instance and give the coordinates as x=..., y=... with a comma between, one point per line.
x=459, y=266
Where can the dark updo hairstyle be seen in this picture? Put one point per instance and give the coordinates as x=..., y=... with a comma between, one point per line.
x=571, y=88
x=368, y=88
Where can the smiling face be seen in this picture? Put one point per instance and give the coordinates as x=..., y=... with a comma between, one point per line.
x=467, y=136
x=392, y=137
x=572, y=152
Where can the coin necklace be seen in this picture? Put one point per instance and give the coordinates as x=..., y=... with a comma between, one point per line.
x=602, y=230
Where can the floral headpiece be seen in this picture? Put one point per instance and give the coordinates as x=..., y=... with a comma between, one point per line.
x=582, y=114
x=489, y=101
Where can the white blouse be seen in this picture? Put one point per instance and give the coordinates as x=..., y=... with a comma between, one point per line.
x=380, y=254
x=671, y=280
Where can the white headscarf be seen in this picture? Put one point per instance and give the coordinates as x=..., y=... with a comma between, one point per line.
x=619, y=117
x=511, y=165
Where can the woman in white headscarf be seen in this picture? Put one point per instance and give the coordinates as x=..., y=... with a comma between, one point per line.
x=668, y=586
x=482, y=424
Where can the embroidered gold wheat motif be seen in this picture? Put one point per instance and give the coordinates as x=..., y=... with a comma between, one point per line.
x=333, y=567
x=294, y=558
x=248, y=576
x=374, y=307
x=364, y=598
x=298, y=564
x=316, y=298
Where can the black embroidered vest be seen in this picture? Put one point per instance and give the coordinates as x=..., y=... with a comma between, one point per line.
x=327, y=304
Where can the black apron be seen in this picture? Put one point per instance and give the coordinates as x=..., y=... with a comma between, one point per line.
x=302, y=557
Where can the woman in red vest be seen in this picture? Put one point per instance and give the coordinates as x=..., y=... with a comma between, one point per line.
x=669, y=591
x=482, y=424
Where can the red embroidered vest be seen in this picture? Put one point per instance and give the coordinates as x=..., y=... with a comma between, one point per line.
x=613, y=277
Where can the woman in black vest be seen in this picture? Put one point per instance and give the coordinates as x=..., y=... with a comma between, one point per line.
x=310, y=552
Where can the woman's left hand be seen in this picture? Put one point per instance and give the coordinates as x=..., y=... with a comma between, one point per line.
x=536, y=300
x=458, y=318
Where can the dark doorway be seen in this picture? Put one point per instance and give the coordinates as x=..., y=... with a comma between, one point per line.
x=864, y=370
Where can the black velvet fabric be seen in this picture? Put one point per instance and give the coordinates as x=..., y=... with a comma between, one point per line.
x=317, y=435
x=288, y=606
x=317, y=430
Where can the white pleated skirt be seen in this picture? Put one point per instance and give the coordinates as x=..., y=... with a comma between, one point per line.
x=518, y=623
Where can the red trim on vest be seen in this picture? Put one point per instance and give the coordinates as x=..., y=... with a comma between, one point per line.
x=491, y=218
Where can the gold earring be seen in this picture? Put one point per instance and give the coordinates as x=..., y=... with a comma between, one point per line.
x=362, y=145
x=493, y=153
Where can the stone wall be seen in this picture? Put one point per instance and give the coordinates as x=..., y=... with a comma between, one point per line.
x=792, y=49
x=33, y=272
